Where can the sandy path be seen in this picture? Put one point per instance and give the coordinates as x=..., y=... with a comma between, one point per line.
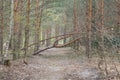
x=53, y=64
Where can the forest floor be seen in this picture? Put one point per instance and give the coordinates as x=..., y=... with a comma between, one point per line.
x=53, y=64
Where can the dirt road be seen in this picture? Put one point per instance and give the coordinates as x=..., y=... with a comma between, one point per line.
x=53, y=64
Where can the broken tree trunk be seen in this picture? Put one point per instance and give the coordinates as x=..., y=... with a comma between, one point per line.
x=69, y=34
x=55, y=45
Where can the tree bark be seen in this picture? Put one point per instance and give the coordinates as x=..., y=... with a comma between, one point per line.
x=27, y=27
x=102, y=28
x=9, y=42
x=20, y=24
x=48, y=35
x=56, y=32
x=65, y=23
x=15, y=30
x=117, y=30
x=38, y=24
x=1, y=30
x=88, y=27
x=76, y=28
x=37, y=27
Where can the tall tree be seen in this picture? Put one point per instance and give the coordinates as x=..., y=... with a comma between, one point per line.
x=117, y=29
x=15, y=30
x=57, y=33
x=48, y=35
x=11, y=25
x=102, y=27
x=65, y=23
x=76, y=28
x=38, y=24
x=27, y=27
x=88, y=26
x=37, y=28
x=1, y=29
x=20, y=24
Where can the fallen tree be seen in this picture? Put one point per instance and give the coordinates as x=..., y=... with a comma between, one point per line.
x=63, y=35
x=55, y=45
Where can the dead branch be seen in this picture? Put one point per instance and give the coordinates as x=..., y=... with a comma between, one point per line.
x=56, y=45
x=69, y=34
x=37, y=52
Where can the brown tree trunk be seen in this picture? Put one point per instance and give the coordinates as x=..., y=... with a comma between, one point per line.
x=65, y=23
x=38, y=24
x=15, y=30
x=117, y=29
x=1, y=30
x=37, y=27
x=56, y=32
x=102, y=28
x=20, y=24
x=76, y=28
x=43, y=36
x=48, y=35
x=27, y=27
x=88, y=27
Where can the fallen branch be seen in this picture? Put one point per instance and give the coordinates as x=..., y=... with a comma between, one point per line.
x=69, y=34
x=37, y=52
x=56, y=45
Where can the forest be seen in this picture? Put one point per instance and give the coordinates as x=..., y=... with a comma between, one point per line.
x=59, y=39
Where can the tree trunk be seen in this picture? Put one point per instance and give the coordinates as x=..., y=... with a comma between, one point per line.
x=20, y=24
x=117, y=29
x=1, y=30
x=101, y=28
x=9, y=42
x=88, y=27
x=65, y=23
x=43, y=36
x=48, y=35
x=27, y=27
x=38, y=24
x=56, y=32
x=15, y=30
x=37, y=27
x=76, y=28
